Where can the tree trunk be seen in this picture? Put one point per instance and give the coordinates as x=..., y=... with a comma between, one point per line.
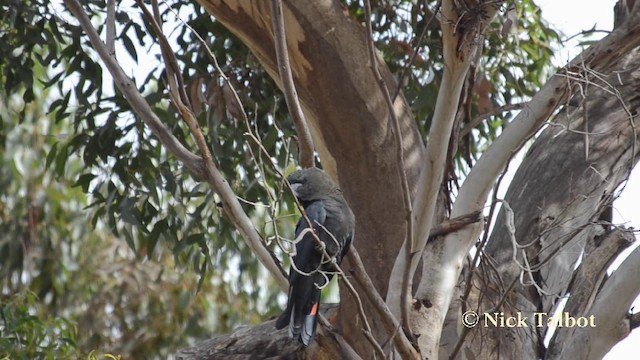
x=349, y=122
x=567, y=180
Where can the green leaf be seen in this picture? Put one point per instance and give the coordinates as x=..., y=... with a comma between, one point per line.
x=51, y=155
x=84, y=181
x=128, y=44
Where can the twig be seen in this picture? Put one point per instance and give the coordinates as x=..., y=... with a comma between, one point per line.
x=409, y=65
x=586, y=32
x=111, y=27
x=305, y=141
x=496, y=111
x=138, y=103
x=194, y=163
x=406, y=195
x=402, y=344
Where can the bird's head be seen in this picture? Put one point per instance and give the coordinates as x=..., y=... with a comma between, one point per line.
x=311, y=184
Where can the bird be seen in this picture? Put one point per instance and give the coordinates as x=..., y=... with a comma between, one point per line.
x=333, y=221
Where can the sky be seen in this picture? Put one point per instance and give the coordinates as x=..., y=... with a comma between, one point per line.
x=571, y=17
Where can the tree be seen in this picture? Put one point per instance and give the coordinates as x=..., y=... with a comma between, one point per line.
x=417, y=162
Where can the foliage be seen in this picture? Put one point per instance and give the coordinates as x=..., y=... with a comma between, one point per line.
x=24, y=335
x=109, y=231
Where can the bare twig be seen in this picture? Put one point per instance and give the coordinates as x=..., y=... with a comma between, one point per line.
x=402, y=344
x=128, y=88
x=416, y=51
x=480, y=118
x=111, y=27
x=406, y=195
x=194, y=163
x=305, y=141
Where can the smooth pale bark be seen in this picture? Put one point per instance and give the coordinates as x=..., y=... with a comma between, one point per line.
x=461, y=44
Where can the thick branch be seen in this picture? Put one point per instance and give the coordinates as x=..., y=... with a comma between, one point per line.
x=458, y=51
x=262, y=342
x=610, y=313
x=586, y=285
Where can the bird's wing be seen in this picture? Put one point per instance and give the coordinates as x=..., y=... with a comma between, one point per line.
x=347, y=244
x=306, y=258
x=304, y=295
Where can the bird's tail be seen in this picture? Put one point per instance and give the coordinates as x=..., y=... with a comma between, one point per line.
x=302, y=317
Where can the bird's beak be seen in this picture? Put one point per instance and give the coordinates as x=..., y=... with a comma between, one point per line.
x=295, y=188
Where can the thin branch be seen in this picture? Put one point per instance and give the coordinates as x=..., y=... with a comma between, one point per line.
x=416, y=51
x=111, y=27
x=128, y=88
x=455, y=224
x=305, y=141
x=177, y=89
x=390, y=323
x=405, y=295
x=198, y=167
x=367, y=331
x=496, y=111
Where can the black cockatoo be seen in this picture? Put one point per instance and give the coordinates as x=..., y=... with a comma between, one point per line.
x=333, y=221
